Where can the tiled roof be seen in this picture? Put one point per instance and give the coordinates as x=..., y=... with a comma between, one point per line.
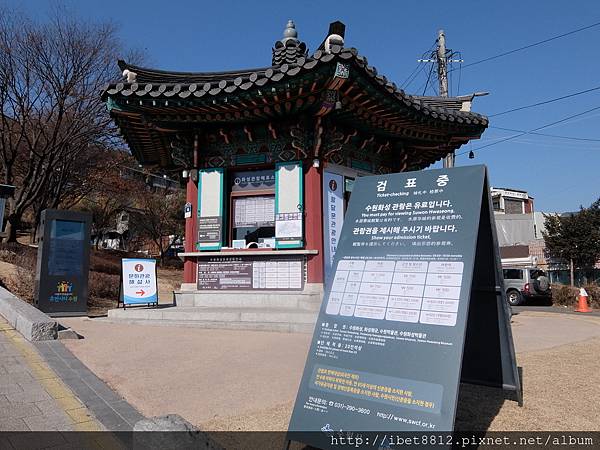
x=152, y=84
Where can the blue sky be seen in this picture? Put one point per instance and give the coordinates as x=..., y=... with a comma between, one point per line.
x=561, y=174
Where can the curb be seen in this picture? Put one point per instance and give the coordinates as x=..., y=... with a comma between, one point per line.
x=33, y=324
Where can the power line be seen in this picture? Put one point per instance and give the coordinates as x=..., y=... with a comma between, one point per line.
x=428, y=78
x=500, y=55
x=531, y=131
x=416, y=71
x=547, y=135
x=545, y=102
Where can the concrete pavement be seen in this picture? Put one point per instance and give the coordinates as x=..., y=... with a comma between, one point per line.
x=539, y=330
x=32, y=396
x=44, y=387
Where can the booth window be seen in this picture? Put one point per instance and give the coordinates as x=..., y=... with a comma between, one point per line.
x=253, y=208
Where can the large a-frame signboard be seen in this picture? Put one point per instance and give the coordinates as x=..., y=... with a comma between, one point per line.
x=415, y=305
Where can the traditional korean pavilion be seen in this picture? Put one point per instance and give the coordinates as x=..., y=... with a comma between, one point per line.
x=270, y=155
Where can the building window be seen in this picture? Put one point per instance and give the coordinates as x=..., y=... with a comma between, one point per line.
x=252, y=208
x=513, y=206
x=496, y=204
x=253, y=218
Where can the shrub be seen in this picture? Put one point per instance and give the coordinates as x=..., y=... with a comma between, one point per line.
x=568, y=296
x=172, y=263
x=103, y=285
x=15, y=253
x=22, y=282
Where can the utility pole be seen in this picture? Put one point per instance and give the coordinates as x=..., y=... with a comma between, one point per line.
x=442, y=69
x=441, y=57
x=442, y=64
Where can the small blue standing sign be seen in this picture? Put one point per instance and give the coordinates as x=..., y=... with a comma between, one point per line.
x=139, y=285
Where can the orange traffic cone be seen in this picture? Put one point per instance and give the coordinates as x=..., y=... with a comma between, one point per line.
x=583, y=302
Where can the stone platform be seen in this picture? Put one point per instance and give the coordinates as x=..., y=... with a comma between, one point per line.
x=283, y=311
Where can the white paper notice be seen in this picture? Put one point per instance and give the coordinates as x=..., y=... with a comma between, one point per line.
x=442, y=292
x=385, y=266
x=372, y=300
x=407, y=290
x=290, y=229
x=350, y=299
x=402, y=315
x=409, y=278
x=396, y=301
x=411, y=266
x=377, y=277
x=444, y=279
x=440, y=304
x=353, y=286
x=438, y=318
x=445, y=267
x=350, y=264
x=347, y=310
x=374, y=288
x=334, y=303
x=369, y=312
x=355, y=275
x=338, y=286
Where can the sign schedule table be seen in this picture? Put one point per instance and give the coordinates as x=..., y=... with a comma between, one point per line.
x=403, y=291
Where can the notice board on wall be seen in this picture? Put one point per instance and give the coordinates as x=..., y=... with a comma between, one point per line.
x=415, y=306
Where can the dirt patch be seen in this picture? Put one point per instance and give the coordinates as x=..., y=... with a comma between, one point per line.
x=560, y=394
x=17, y=274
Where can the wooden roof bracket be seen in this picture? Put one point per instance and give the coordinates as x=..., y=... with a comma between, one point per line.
x=318, y=137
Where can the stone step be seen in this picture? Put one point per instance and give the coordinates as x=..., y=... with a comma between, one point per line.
x=278, y=300
x=266, y=319
x=285, y=327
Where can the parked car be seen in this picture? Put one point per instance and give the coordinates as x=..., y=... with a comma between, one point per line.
x=524, y=283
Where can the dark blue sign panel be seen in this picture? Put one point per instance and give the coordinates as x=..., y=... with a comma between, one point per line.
x=66, y=247
x=387, y=349
x=61, y=283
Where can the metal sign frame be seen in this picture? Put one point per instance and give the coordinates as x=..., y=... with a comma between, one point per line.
x=424, y=376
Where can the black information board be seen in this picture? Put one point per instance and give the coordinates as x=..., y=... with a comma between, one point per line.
x=61, y=279
x=415, y=296
x=209, y=229
x=284, y=273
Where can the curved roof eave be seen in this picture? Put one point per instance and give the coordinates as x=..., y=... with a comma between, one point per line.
x=185, y=84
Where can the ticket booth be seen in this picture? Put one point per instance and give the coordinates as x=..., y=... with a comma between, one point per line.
x=270, y=155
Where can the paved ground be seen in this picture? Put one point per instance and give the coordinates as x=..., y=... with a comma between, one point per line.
x=111, y=410
x=537, y=330
x=44, y=387
x=197, y=373
x=247, y=380
x=32, y=396
x=554, y=309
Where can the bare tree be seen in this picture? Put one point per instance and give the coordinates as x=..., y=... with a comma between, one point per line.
x=109, y=192
x=52, y=119
x=158, y=217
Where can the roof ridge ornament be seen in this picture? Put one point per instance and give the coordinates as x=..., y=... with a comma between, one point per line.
x=290, y=32
x=289, y=49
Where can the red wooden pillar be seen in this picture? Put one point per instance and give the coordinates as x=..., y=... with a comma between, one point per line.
x=189, y=265
x=314, y=223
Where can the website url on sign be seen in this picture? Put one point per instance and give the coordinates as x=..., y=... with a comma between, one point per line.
x=462, y=440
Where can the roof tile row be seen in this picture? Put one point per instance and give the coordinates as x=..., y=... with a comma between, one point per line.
x=228, y=82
